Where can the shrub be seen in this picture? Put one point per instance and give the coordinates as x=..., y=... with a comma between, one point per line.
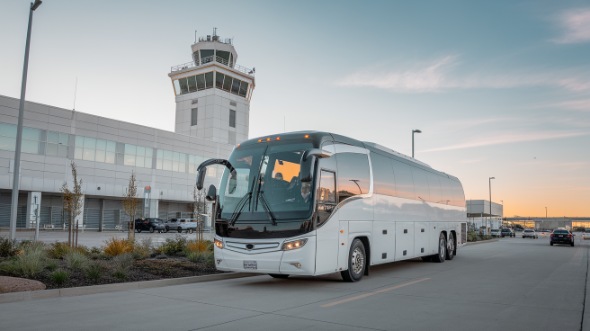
x=51, y=265
x=31, y=261
x=8, y=248
x=198, y=246
x=60, y=276
x=94, y=271
x=173, y=246
x=143, y=249
x=122, y=263
x=58, y=250
x=76, y=260
x=116, y=247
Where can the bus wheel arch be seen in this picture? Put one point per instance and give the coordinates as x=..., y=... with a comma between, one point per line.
x=357, y=260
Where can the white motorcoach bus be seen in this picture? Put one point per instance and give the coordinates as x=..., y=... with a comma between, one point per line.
x=313, y=203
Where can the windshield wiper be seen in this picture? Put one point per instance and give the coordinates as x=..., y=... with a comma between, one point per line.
x=265, y=205
x=239, y=207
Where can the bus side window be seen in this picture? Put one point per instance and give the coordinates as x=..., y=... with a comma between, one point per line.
x=326, y=196
x=353, y=175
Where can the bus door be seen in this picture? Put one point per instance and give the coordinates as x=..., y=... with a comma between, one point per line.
x=326, y=224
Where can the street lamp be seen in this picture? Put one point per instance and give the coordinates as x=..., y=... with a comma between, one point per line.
x=545, y=212
x=414, y=131
x=19, y=129
x=490, y=187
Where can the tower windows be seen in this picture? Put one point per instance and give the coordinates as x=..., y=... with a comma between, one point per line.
x=194, y=116
x=232, y=118
x=209, y=80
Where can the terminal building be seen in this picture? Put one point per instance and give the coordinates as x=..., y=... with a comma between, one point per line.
x=212, y=94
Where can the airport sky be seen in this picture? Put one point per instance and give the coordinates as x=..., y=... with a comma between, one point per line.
x=499, y=88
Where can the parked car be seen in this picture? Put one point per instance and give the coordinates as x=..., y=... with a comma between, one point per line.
x=586, y=234
x=495, y=233
x=561, y=236
x=150, y=224
x=530, y=233
x=181, y=225
x=506, y=232
x=171, y=224
x=187, y=225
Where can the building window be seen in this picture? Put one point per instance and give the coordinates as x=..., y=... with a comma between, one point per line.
x=232, y=118
x=57, y=144
x=171, y=161
x=194, y=116
x=91, y=149
x=137, y=156
x=7, y=137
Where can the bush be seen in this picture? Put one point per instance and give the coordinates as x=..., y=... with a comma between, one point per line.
x=60, y=276
x=143, y=249
x=94, y=270
x=122, y=263
x=8, y=248
x=202, y=257
x=198, y=246
x=76, y=260
x=51, y=265
x=116, y=247
x=31, y=261
x=173, y=246
x=58, y=250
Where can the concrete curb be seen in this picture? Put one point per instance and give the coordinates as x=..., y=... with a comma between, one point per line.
x=481, y=241
x=85, y=290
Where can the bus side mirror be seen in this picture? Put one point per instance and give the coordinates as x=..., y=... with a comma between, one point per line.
x=211, y=193
x=307, y=162
x=201, y=177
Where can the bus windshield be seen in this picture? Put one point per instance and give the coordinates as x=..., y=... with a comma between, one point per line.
x=265, y=192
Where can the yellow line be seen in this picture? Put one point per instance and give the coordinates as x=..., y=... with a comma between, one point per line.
x=383, y=290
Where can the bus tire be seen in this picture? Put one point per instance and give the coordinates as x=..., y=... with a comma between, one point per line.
x=451, y=247
x=357, y=260
x=442, y=249
x=279, y=276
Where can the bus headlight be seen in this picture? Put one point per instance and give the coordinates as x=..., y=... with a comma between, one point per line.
x=218, y=243
x=295, y=244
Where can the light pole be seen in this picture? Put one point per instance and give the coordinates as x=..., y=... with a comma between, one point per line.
x=414, y=131
x=490, y=186
x=19, y=129
x=545, y=212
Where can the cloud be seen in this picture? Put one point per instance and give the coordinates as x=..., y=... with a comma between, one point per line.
x=430, y=78
x=508, y=139
x=577, y=105
x=576, y=26
x=438, y=76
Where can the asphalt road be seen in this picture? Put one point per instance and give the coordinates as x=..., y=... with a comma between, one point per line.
x=509, y=284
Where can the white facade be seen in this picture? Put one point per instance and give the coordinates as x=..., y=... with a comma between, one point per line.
x=107, y=151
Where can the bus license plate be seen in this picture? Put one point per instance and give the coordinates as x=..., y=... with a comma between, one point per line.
x=250, y=265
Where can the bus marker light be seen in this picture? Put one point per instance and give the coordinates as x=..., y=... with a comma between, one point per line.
x=296, y=264
x=218, y=243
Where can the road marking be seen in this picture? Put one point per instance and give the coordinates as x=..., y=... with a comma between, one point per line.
x=383, y=290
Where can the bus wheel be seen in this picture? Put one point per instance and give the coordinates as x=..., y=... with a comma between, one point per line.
x=356, y=262
x=442, y=249
x=279, y=276
x=451, y=249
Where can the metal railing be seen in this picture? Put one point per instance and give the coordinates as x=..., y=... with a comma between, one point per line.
x=210, y=59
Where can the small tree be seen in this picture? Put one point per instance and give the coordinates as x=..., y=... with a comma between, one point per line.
x=199, y=208
x=130, y=202
x=72, y=205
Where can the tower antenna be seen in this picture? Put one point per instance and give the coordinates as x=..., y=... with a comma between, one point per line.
x=75, y=92
x=195, y=36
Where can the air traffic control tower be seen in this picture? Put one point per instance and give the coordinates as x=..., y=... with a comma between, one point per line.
x=213, y=93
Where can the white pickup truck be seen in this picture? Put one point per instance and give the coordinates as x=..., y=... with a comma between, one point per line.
x=181, y=225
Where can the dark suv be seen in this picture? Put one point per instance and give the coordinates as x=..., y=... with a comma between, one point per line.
x=149, y=224
x=561, y=236
x=507, y=233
